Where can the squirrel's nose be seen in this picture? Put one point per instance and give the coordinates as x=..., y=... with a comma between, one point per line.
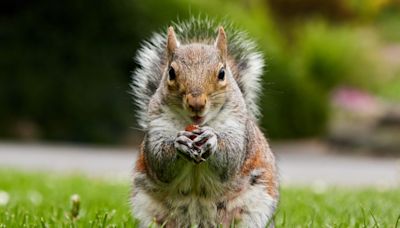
x=196, y=103
x=196, y=107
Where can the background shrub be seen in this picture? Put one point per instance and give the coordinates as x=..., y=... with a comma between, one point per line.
x=65, y=66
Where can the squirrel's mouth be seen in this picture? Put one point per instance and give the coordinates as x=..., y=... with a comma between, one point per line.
x=197, y=119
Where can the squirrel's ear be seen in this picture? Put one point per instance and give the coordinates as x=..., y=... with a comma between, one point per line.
x=221, y=43
x=172, y=42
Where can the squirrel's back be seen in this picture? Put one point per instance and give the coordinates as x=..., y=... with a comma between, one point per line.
x=152, y=58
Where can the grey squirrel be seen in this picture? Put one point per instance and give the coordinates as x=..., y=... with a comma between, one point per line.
x=203, y=160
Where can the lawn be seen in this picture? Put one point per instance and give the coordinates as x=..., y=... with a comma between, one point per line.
x=44, y=200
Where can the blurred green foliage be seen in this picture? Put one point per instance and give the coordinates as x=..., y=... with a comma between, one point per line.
x=331, y=56
x=388, y=24
x=65, y=66
x=320, y=58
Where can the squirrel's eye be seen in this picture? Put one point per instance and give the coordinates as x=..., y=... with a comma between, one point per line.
x=221, y=74
x=171, y=73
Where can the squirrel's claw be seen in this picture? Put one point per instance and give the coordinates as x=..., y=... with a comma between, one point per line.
x=185, y=148
x=200, y=148
x=206, y=142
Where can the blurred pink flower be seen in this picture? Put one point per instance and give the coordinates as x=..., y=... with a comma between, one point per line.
x=354, y=100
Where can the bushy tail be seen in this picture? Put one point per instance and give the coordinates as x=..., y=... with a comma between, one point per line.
x=151, y=59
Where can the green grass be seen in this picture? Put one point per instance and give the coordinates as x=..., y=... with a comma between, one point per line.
x=36, y=199
x=43, y=200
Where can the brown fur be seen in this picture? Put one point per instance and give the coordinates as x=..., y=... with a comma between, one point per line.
x=237, y=180
x=140, y=165
x=261, y=158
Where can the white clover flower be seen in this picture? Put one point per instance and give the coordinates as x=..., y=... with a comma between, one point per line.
x=75, y=206
x=4, y=198
x=75, y=198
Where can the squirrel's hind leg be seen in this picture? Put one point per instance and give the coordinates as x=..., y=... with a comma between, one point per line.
x=148, y=211
x=257, y=207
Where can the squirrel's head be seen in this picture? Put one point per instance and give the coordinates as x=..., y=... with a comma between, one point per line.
x=197, y=77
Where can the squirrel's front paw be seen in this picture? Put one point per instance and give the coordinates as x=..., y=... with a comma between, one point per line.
x=206, y=141
x=184, y=146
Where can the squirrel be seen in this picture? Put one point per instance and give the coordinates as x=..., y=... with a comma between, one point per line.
x=220, y=170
